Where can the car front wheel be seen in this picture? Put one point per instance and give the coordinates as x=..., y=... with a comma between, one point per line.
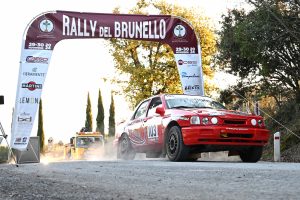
x=251, y=155
x=125, y=150
x=176, y=150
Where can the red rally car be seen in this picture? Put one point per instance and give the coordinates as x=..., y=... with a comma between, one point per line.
x=184, y=126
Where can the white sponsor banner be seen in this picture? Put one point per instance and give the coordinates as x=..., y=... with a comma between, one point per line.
x=190, y=72
x=32, y=74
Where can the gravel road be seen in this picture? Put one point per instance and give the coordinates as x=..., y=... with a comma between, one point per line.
x=150, y=179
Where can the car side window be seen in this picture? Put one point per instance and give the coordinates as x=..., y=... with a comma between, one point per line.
x=141, y=111
x=153, y=105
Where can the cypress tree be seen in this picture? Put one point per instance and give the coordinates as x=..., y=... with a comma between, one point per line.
x=89, y=118
x=40, y=131
x=111, y=122
x=100, y=115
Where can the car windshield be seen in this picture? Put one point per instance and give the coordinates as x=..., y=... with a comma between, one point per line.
x=186, y=101
x=86, y=142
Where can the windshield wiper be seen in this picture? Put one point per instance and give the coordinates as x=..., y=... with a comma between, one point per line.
x=204, y=107
x=182, y=107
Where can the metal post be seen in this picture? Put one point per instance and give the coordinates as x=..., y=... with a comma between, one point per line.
x=5, y=137
x=256, y=108
x=277, y=147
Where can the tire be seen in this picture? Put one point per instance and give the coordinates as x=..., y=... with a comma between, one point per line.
x=68, y=154
x=251, y=155
x=175, y=149
x=125, y=150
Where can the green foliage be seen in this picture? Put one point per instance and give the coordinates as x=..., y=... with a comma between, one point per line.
x=290, y=121
x=89, y=118
x=100, y=115
x=150, y=66
x=228, y=96
x=4, y=154
x=262, y=48
x=40, y=131
x=111, y=121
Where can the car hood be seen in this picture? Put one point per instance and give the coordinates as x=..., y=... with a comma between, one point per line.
x=210, y=112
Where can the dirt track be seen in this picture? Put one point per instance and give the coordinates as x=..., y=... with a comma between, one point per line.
x=150, y=179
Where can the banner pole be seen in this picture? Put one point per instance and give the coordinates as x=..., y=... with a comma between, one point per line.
x=11, y=151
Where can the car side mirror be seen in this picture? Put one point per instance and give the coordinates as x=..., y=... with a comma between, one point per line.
x=72, y=141
x=160, y=110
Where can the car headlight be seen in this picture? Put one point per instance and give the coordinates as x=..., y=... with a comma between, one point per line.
x=253, y=122
x=214, y=120
x=205, y=120
x=195, y=120
x=260, y=122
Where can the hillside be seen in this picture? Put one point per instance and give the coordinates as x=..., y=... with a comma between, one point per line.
x=289, y=118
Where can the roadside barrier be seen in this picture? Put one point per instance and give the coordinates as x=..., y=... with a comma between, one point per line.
x=277, y=147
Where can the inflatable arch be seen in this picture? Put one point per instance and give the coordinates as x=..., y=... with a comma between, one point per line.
x=47, y=29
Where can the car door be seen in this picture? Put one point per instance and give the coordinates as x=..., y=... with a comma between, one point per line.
x=153, y=124
x=135, y=126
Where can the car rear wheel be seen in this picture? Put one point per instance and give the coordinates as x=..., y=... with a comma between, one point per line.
x=252, y=155
x=176, y=150
x=68, y=155
x=125, y=150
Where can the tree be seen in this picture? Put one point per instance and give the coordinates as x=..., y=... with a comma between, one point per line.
x=150, y=66
x=262, y=47
x=100, y=115
x=111, y=121
x=89, y=118
x=40, y=131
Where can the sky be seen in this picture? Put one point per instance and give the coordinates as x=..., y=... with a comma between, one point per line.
x=77, y=66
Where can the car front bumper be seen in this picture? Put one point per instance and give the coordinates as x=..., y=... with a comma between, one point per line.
x=220, y=135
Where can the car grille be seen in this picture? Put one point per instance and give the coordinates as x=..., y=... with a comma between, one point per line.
x=237, y=122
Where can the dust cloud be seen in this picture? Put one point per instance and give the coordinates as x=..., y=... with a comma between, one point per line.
x=58, y=153
x=108, y=152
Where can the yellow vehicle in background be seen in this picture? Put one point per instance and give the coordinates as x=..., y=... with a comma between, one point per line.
x=85, y=146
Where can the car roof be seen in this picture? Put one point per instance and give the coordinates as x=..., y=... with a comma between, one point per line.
x=170, y=94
